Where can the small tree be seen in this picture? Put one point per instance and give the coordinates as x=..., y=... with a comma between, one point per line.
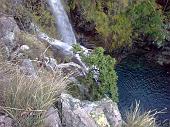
x=147, y=20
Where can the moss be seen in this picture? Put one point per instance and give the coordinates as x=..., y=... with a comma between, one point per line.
x=5, y=6
x=100, y=119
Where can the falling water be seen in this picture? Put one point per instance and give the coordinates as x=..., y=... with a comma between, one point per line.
x=66, y=31
x=63, y=24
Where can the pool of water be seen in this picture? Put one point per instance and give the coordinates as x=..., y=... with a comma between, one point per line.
x=141, y=80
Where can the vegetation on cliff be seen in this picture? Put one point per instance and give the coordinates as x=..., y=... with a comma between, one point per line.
x=121, y=22
x=26, y=99
x=101, y=79
x=31, y=11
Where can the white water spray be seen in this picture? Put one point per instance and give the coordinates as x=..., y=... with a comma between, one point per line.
x=63, y=24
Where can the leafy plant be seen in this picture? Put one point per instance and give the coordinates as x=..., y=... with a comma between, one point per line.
x=146, y=20
x=114, y=28
x=121, y=31
x=105, y=83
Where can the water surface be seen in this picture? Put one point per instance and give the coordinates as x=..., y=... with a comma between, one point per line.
x=141, y=80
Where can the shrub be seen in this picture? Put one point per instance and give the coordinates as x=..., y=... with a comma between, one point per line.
x=121, y=32
x=105, y=83
x=146, y=20
x=113, y=27
x=135, y=118
x=26, y=99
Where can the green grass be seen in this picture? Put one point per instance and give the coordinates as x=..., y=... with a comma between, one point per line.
x=27, y=99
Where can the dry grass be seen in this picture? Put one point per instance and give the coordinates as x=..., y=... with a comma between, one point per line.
x=135, y=118
x=27, y=99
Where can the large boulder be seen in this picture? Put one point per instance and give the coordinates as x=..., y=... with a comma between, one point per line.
x=76, y=113
x=8, y=30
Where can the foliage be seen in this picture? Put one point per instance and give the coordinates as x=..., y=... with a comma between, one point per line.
x=113, y=27
x=77, y=48
x=121, y=22
x=31, y=11
x=147, y=20
x=122, y=31
x=135, y=118
x=107, y=78
x=27, y=99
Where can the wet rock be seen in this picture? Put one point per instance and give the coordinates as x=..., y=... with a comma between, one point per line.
x=76, y=113
x=163, y=57
x=62, y=48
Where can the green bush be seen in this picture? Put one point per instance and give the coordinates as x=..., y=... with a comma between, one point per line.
x=121, y=22
x=107, y=80
x=121, y=32
x=113, y=27
x=146, y=20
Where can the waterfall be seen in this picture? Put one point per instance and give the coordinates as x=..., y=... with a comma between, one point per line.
x=63, y=24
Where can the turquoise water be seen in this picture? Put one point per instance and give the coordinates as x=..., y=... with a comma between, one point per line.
x=141, y=80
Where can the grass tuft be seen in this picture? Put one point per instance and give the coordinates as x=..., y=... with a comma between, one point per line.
x=27, y=99
x=135, y=118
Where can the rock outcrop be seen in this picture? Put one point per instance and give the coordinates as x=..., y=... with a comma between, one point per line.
x=163, y=58
x=76, y=113
x=8, y=31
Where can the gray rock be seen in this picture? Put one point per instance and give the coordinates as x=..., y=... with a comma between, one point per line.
x=5, y=121
x=8, y=29
x=52, y=118
x=28, y=68
x=76, y=113
x=163, y=57
x=111, y=112
x=71, y=68
x=50, y=63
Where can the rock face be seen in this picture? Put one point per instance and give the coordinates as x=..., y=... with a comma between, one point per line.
x=52, y=118
x=28, y=68
x=76, y=113
x=8, y=30
x=5, y=121
x=163, y=58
